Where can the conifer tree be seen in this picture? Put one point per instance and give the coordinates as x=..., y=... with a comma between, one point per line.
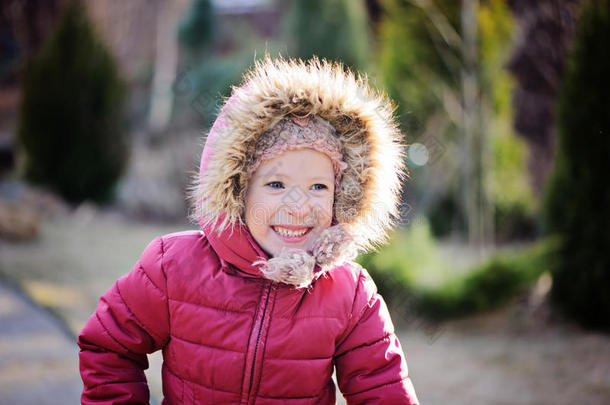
x=197, y=28
x=71, y=128
x=331, y=29
x=578, y=196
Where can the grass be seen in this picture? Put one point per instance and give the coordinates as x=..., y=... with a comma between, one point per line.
x=413, y=275
x=489, y=285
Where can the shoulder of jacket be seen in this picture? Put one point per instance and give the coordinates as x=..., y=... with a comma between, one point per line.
x=171, y=245
x=181, y=239
x=355, y=277
x=191, y=233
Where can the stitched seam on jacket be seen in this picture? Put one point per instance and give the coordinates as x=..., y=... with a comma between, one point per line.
x=115, y=382
x=150, y=279
x=126, y=358
x=236, y=393
x=166, y=295
x=135, y=318
x=175, y=375
x=205, y=386
x=296, y=397
x=349, y=330
x=369, y=304
x=377, y=387
x=170, y=352
x=303, y=359
x=311, y=317
x=284, y=398
x=110, y=334
x=368, y=344
x=206, y=345
x=210, y=306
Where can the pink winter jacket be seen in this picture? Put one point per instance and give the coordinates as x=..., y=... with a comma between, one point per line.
x=230, y=336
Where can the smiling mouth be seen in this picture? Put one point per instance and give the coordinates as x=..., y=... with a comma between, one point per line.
x=291, y=232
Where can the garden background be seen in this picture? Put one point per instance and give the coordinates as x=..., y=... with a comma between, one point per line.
x=498, y=274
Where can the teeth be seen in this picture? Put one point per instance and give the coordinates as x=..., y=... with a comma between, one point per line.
x=288, y=232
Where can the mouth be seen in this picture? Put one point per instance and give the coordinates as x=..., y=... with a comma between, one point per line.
x=291, y=233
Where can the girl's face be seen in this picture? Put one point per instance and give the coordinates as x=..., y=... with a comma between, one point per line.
x=289, y=200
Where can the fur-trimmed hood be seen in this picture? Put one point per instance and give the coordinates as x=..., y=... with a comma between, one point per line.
x=366, y=202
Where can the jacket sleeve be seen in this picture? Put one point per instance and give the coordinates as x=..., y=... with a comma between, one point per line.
x=130, y=321
x=370, y=364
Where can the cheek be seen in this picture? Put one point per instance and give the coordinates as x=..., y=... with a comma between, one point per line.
x=325, y=211
x=259, y=210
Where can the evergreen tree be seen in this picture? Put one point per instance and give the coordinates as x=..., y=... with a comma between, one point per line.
x=578, y=197
x=71, y=129
x=331, y=29
x=197, y=29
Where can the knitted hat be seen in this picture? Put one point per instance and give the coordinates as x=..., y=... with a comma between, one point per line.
x=294, y=132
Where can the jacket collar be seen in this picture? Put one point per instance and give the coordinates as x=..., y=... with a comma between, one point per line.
x=237, y=248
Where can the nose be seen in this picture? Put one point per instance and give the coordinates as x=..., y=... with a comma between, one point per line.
x=297, y=203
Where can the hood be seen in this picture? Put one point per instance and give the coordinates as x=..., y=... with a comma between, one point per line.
x=367, y=200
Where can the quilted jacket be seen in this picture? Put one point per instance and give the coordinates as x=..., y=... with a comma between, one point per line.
x=229, y=335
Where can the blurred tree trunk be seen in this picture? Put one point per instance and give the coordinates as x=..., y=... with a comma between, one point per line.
x=479, y=218
x=165, y=66
x=470, y=161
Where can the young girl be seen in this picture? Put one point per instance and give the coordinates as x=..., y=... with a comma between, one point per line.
x=300, y=172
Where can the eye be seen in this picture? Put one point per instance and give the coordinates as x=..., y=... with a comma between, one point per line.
x=275, y=184
x=319, y=186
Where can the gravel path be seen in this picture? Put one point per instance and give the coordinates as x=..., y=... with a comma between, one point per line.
x=504, y=358
x=38, y=357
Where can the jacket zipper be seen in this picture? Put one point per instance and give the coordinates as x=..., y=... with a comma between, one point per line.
x=258, y=339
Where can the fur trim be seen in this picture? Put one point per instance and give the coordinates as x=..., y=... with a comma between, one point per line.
x=296, y=266
x=367, y=200
x=334, y=245
x=291, y=266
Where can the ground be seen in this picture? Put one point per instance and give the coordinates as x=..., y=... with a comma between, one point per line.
x=520, y=354
x=500, y=358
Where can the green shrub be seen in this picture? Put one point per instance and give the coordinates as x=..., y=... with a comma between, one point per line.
x=489, y=285
x=509, y=184
x=71, y=129
x=577, y=205
x=409, y=261
x=412, y=276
